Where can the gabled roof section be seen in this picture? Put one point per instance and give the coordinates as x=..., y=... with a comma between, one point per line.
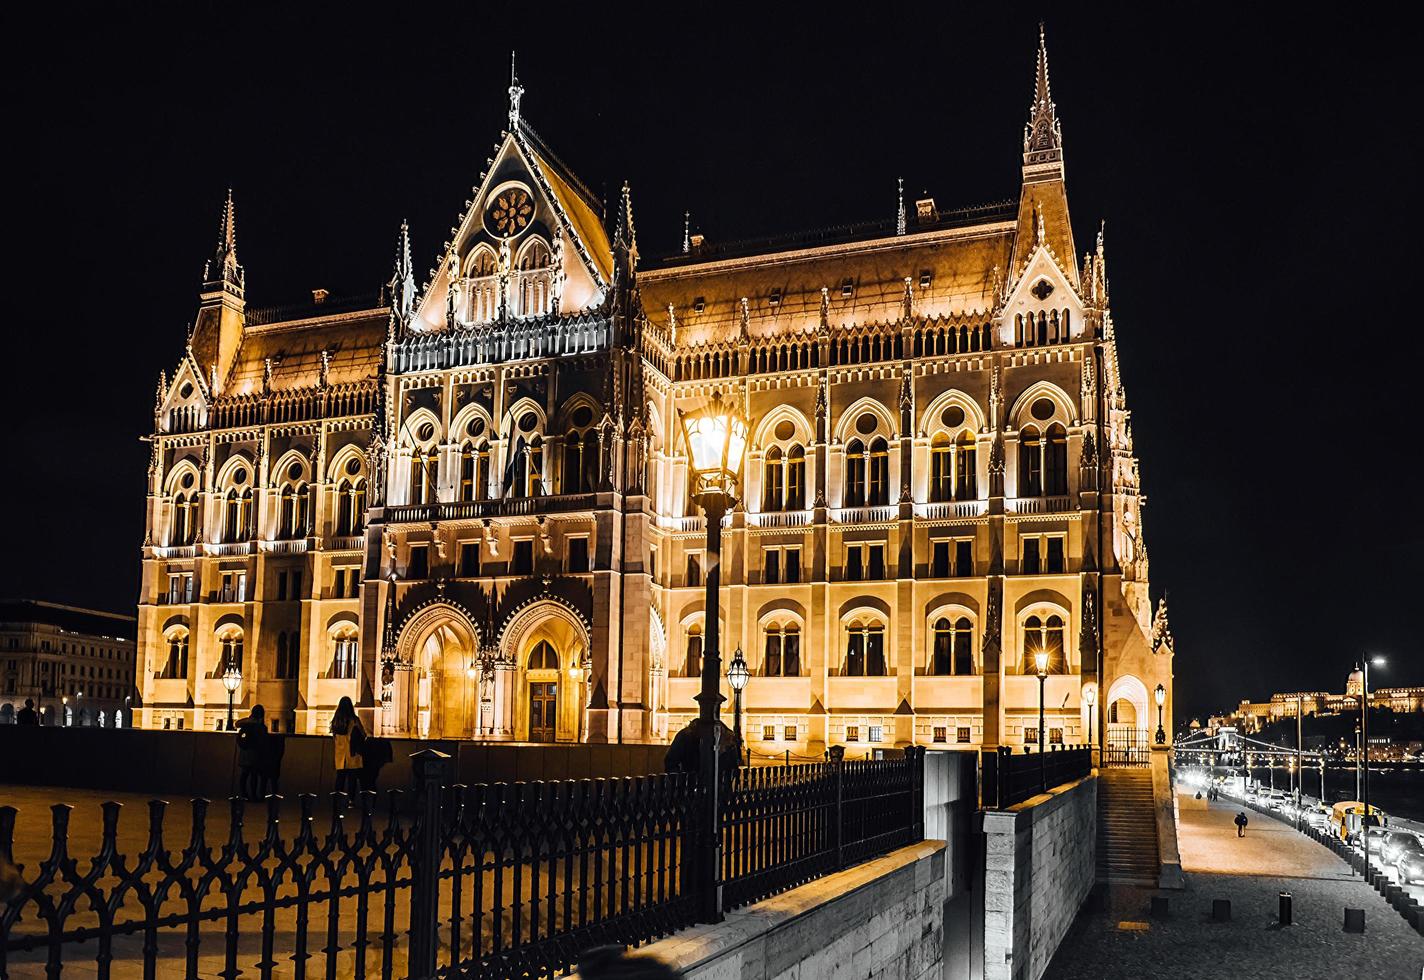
x=563, y=205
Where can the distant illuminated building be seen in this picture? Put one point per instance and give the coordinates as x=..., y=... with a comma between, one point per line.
x=465, y=504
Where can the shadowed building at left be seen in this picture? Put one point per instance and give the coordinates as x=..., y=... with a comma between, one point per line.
x=77, y=665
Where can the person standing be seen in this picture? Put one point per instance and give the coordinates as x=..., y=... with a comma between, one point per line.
x=1241, y=823
x=251, y=734
x=348, y=739
x=27, y=715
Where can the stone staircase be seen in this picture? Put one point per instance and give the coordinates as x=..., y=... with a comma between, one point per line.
x=1127, y=827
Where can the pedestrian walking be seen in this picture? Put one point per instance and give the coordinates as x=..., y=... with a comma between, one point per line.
x=27, y=715
x=251, y=734
x=349, y=739
x=1241, y=823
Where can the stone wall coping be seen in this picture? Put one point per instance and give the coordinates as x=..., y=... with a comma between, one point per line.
x=1033, y=809
x=690, y=948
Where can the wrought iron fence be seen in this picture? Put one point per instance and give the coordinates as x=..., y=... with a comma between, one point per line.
x=489, y=880
x=1006, y=779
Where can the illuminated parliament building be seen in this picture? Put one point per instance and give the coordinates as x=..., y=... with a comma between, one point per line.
x=464, y=501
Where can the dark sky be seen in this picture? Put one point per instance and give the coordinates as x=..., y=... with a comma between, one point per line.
x=1257, y=174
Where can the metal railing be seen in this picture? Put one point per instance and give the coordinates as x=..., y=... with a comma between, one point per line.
x=1007, y=779
x=494, y=880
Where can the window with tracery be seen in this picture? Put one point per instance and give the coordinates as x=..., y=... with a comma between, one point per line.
x=781, y=651
x=1044, y=633
x=865, y=649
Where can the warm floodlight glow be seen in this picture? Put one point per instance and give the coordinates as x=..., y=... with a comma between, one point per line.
x=737, y=673
x=717, y=441
x=232, y=678
x=1041, y=659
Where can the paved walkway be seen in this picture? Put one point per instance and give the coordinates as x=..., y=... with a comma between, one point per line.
x=1125, y=942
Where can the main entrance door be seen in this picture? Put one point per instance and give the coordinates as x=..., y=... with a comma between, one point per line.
x=543, y=702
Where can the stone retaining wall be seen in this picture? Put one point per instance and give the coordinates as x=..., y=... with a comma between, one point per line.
x=1039, y=865
x=881, y=920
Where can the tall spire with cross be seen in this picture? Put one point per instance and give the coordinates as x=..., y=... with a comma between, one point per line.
x=403, y=277
x=1043, y=135
x=900, y=212
x=516, y=92
x=223, y=268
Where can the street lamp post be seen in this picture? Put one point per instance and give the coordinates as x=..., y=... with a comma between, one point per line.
x=232, y=680
x=1161, y=695
x=576, y=675
x=1364, y=671
x=716, y=436
x=1040, y=660
x=64, y=702
x=1090, y=697
x=737, y=677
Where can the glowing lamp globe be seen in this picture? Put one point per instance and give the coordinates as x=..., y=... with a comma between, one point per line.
x=1041, y=660
x=1161, y=695
x=716, y=437
x=1090, y=695
x=737, y=672
x=232, y=678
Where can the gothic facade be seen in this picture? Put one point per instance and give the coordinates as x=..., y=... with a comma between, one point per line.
x=465, y=503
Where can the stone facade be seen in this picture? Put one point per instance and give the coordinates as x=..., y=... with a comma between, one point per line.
x=76, y=665
x=466, y=504
x=1039, y=867
x=880, y=920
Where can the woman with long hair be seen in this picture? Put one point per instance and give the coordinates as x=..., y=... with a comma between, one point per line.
x=349, y=738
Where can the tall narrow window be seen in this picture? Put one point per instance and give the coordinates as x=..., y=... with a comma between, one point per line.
x=796, y=478
x=855, y=474
x=574, y=449
x=692, y=665
x=865, y=649
x=1030, y=464
x=879, y=493
x=467, y=473
x=1031, y=558
x=1055, y=457
x=941, y=468
x=782, y=653
x=963, y=646
x=966, y=473
x=942, y=654
x=773, y=481
x=963, y=558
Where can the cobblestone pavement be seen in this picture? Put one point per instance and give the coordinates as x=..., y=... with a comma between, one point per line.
x=1125, y=941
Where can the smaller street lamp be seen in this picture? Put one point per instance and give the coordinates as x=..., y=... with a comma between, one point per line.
x=1161, y=695
x=1040, y=660
x=1090, y=697
x=65, y=701
x=232, y=680
x=737, y=677
x=576, y=675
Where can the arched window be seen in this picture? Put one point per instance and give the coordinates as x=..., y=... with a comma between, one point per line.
x=229, y=650
x=773, y=496
x=1055, y=462
x=796, y=478
x=1044, y=634
x=865, y=649
x=483, y=288
x=533, y=279
x=543, y=657
x=176, y=665
x=350, y=507
x=536, y=468
x=855, y=474
x=692, y=666
x=782, y=651
x=232, y=516
x=482, y=470
x=941, y=468
x=953, y=651
x=184, y=528
x=879, y=492
x=1030, y=463
x=966, y=471
x=294, y=519
x=344, y=641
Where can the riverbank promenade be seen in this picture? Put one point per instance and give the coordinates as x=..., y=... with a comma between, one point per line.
x=1124, y=940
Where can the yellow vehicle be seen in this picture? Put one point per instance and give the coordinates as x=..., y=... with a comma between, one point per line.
x=1348, y=816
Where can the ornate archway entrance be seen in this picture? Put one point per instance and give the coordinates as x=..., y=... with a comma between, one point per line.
x=438, y=697
x=548, y=643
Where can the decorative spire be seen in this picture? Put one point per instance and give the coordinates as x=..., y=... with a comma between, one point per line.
x=686, y=232
x=900, y=212
x=1043, y=136
x=222, y=268
x=672, y=324
x=825, y=324
x=403, y=277
x=516, y=91
x=1161, y=631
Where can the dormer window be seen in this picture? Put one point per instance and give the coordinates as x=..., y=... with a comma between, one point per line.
x=699, y=304
x=775, y=298
x=847, y=287
x=926, y=276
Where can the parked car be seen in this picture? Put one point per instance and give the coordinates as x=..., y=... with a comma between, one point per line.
x=1394, y=844
x=1409, y=861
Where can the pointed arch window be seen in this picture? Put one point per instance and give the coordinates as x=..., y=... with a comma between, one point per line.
x=878, y=494
x=773, y=470
x=1044, y=633
x=533, y=285
x=543, y=657
x=1030, y=463
x=176, y=664
x=469, y=479
x=856, y=461
x=576, y=450
x=350, y=507
x=229, y=651
x=865, y=649
x=941, y=468
x=1055, y=461
x=692, y=665
x=966, y=468
x=796, y=478
x=184, y=528
x=344, y=644
x=482, y=287
x=423, y=475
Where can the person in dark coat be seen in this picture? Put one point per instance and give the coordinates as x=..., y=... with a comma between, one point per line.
x=616, y=963
x=269, y=761
x=684, y=754
x=1241, y=824
x=251, y=733
x=27, y=715
x=374, y=754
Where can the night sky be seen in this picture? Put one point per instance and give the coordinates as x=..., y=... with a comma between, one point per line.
x=1257, y=177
